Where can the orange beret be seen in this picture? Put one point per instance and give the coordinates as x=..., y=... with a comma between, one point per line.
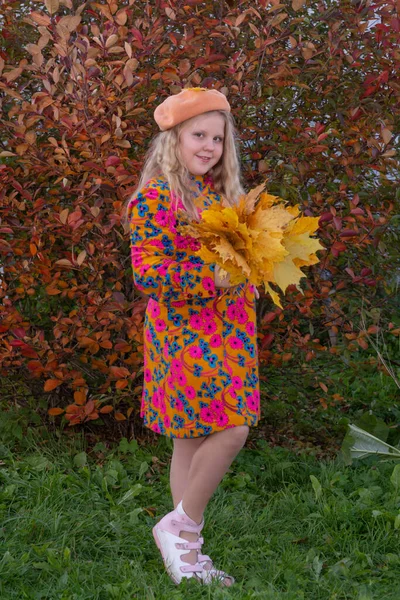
x=189, y=103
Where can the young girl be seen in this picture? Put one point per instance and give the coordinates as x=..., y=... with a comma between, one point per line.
x=201, y=384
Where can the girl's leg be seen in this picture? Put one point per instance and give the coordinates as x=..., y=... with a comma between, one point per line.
x=208, y=466
x=184, y=450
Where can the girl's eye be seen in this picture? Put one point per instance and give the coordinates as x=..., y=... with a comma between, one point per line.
x=220, y=139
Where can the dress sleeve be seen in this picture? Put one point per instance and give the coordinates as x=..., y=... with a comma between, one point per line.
x=163, y=261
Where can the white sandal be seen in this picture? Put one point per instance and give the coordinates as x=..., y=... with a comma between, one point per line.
x=166, y=536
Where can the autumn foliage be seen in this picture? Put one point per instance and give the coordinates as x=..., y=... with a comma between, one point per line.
x=315, y=94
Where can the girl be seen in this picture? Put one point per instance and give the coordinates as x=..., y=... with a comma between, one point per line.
x=201, y=384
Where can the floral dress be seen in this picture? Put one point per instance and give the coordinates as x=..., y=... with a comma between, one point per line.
x=200, y=342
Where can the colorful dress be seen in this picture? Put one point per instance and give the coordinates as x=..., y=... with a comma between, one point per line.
x=200, y=342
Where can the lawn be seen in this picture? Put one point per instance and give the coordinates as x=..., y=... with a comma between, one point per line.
x=76, y=524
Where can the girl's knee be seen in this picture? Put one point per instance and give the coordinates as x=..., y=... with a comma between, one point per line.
x=238, y=435
x=244, y=432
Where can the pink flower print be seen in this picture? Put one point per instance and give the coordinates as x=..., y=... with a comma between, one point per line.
x=181, y=378
x=137, y=260
x=240, y=303
x=155, y=400
x=167, y=422
x=180, y=242
x=207, y=415
x=156, y=428
x=216, y=406
x=158, y=244
x=179, y=405
x=195, y=352
x=252, y=403
x=163, y=407
x=190, y=392
x=178, y=303
x=237, y=382
x=232, y=393
x=196, y=322
x=151, y=194
x=177, y=279
x=161, y=393
x=194, y=244
x=250, y=329
x=208, y=180
x=154, y=308
x=171, y=221
x=188, y=265
x=210, y=327
x=208, y=284
x=147, y=375
x=231, y=312
x=161, y=217
x=242, y=316
x=176, y=366
x=149, y=336
x=160, y=325
x=215, y=341
x=163, y=269
x=166, y=351
x=222, y=419
x=235, y=343
x=256, y=395
x=171, y=383
x=207, y=313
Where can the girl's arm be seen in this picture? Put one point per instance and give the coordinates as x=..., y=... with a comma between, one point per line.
x=164, y=265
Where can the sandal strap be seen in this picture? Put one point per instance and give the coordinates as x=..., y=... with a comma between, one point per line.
x=185, y=526
x=203, y=558
x=192, y=568
x=190, y=545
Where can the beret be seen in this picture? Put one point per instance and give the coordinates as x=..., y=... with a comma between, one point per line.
x=189, y=103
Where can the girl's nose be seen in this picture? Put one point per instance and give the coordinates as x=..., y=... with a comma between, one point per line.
x=209, y=145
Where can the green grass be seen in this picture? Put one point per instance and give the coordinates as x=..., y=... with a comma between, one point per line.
x=75, y=526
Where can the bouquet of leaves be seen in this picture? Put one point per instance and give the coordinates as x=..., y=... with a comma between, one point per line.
x=260, y=240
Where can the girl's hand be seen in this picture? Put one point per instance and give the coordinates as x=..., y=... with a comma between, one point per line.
x=219, y=282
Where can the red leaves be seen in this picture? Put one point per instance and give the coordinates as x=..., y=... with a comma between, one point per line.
x=51, y=384
x=326, y=217
x=75, y=148
x=54, y=412
x=349, y=233
x=119, y=372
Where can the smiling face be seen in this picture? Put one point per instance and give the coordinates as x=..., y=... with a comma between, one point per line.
x=201, y=142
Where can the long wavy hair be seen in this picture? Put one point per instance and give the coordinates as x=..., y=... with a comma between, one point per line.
x=163, y=159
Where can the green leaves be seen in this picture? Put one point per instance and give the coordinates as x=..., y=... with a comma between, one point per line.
x=316, y=487
x=361, y=444
x=80, y=460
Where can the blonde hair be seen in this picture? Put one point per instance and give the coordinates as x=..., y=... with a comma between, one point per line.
x=163, y=159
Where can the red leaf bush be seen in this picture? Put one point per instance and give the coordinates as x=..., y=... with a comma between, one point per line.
x=315, y=107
